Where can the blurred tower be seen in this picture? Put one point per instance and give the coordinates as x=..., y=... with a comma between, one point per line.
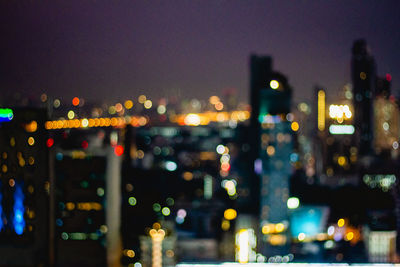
x=364, y=78
x=260, y=73
x=80, y=213
x=273, y=144
x=24, y=188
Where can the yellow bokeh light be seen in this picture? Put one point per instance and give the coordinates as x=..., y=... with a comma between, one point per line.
x=71, y=114
x=214, y=100
x=279, y=227
x=187, y=176
x=219, y=106
x=142, y=99
x=118, y=107
x=70, y=205
x=31, y=141
x=266, y=229
x=128, y=104
x=230, y=214
x=274, y=84
x=321, y=110
x=130, y=253
x=31, y=127
x=349, y=236
x=340, y=222
x=342, y=160
x=277, y=240
x=111, y=110
x=295, y=126
x=270, y=150
x=225, y=225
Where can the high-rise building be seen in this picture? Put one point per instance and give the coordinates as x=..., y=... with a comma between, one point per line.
x=24, y=188
x=86, y=212
x=80, y=212
x=363, y=73
x=273, y=144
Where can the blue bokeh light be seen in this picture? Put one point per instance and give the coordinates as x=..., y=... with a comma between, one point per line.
x=309, y=220
x=18, y=209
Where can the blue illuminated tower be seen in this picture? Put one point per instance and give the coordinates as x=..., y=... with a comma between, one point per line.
x=271, y=99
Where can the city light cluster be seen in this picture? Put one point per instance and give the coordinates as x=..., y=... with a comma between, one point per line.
x=383, y=181
x=190, y=119
x=340, y=112
x=97, y=122
x=196, y=119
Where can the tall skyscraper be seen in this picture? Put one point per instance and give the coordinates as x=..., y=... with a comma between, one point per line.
x=364, y=78
x=273, y=135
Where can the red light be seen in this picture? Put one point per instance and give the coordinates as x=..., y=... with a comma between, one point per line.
x=85, y=144
x=50, y=142
x=119, y=150
x=225, y=166
x=75, y=101
x=388, y=77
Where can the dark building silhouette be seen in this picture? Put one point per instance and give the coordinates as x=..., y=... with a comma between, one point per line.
x=172, y=170
x=272, y=145
x=363, y=73
x=80, y=209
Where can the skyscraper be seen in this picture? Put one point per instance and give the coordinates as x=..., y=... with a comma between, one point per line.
x=273, y=135
x=363, y=76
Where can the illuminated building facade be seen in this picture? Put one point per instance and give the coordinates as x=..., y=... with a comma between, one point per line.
x=24, y=188
x=275, y=155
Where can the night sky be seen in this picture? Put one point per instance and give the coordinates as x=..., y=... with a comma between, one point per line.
x=109, y=51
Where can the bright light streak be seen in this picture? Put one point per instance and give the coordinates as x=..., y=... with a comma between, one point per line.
x=192, y=119
x=246, y=242
x=321, y=110
x=341, y=129
x=157, y=237
x=243, y=246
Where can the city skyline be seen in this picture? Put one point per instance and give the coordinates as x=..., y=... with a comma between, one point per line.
x=101, y=50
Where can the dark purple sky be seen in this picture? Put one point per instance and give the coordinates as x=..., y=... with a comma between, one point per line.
x=114, y=50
